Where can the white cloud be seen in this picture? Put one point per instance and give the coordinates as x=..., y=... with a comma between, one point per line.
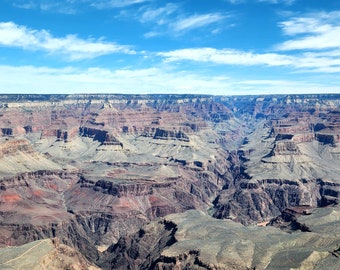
x=315, y=31
x=25, y=5
x=197, y=21
x=328, y=62
x=235, y=2
x=227, y=56
x=151, y=34
x=74, y=48
x=326, y=40
x=169, y=20
x=99, y=80
x=321, y=62
x=62, y=6
x=285, y=2
x=59, y=7
x=158, y=15
x=298, y=26
x=142, y=81
x=73, y=6
x=103, y=4
x=286, y=87
x=315, y=38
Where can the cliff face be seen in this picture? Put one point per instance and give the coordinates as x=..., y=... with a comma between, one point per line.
x=264, y=200
x=285, y=162
x=92, y=170
x=141, y=250
x=194, y=240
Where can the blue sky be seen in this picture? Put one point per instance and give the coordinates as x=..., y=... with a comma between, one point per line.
x=223, y=47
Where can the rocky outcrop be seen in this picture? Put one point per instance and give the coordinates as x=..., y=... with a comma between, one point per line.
x=99, y=135
x=141, y=250
x=162, y=134
x=14, y=146
x=288, y=219
x=59, y=134
x=285, y=147
x=325, y=138
x=96, y=134
x=123, y=190
x=266, y=199
x=7, y=131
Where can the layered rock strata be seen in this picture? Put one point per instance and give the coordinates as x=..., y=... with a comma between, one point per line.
x=92, y=170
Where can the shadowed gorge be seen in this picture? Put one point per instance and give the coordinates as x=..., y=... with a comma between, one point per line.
x=166, y=181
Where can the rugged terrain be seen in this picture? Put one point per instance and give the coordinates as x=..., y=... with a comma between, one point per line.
x=97, y=172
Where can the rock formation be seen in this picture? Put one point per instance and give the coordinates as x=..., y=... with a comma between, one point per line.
x=194, y=240
x=106, y=170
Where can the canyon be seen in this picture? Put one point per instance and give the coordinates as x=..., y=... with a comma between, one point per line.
x=169, y=181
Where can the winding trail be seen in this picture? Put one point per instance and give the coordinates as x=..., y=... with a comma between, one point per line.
x=26, y=252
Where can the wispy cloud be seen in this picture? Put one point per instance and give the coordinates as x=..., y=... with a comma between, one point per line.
x=49, y=6
x=152, y=34
x=227, y=57
x=104, y=4
x=313, y=46
x=318, y=62
x=235, y=2
x=171, y=20
x=59, y=7
x=289, y=86
x=315, y=31
x=74, y=6
x=328, y=62
x=285, y=2
x=25, y=5
x=197, y=21
x=149, y=80
x=158, y=15
x=159, y=18
x=71, y=46
x=75, y=80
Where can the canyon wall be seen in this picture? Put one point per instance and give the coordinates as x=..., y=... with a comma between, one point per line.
x=93, y=170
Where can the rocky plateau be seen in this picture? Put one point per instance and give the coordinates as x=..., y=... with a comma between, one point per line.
x=169, y=182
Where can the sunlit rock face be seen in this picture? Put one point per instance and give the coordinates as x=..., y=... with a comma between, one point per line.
x=195, y=240
x=93, y=170
x=290, y=159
